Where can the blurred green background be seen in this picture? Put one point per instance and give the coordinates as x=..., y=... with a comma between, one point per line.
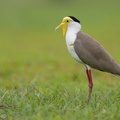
x=31, y=50
x=38, y=77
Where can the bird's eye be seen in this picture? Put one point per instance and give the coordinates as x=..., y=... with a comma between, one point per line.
x=67, y=21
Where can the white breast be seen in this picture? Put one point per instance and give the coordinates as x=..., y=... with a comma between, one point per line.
x=70, y=39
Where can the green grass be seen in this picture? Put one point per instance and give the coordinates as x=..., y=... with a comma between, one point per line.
x=60, y=102
x=38, y=78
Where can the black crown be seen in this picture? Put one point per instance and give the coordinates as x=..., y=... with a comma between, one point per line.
x=75, y=19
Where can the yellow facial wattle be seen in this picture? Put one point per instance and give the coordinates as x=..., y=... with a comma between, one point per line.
x=64, y=24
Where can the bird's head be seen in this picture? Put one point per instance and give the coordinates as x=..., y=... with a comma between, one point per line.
x=66, y=21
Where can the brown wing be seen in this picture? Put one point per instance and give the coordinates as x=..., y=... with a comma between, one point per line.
x=94, y=55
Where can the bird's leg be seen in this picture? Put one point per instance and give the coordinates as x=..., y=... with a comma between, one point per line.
x=88, y=71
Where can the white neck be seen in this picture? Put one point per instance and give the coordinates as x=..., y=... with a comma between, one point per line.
x=73, y=27
x=72, y=30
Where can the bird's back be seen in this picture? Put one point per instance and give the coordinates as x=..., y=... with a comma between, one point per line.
x=94, y=55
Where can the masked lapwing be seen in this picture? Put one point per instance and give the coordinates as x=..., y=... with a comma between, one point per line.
x=87, y=50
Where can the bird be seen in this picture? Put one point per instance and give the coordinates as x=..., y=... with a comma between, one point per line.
x=86, y=50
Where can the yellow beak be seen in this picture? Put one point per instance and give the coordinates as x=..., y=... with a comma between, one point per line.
x=64, y=26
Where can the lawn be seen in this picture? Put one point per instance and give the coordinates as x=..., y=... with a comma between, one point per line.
x=39, y=80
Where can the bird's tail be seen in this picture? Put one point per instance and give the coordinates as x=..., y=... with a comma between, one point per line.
x=116, y=70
